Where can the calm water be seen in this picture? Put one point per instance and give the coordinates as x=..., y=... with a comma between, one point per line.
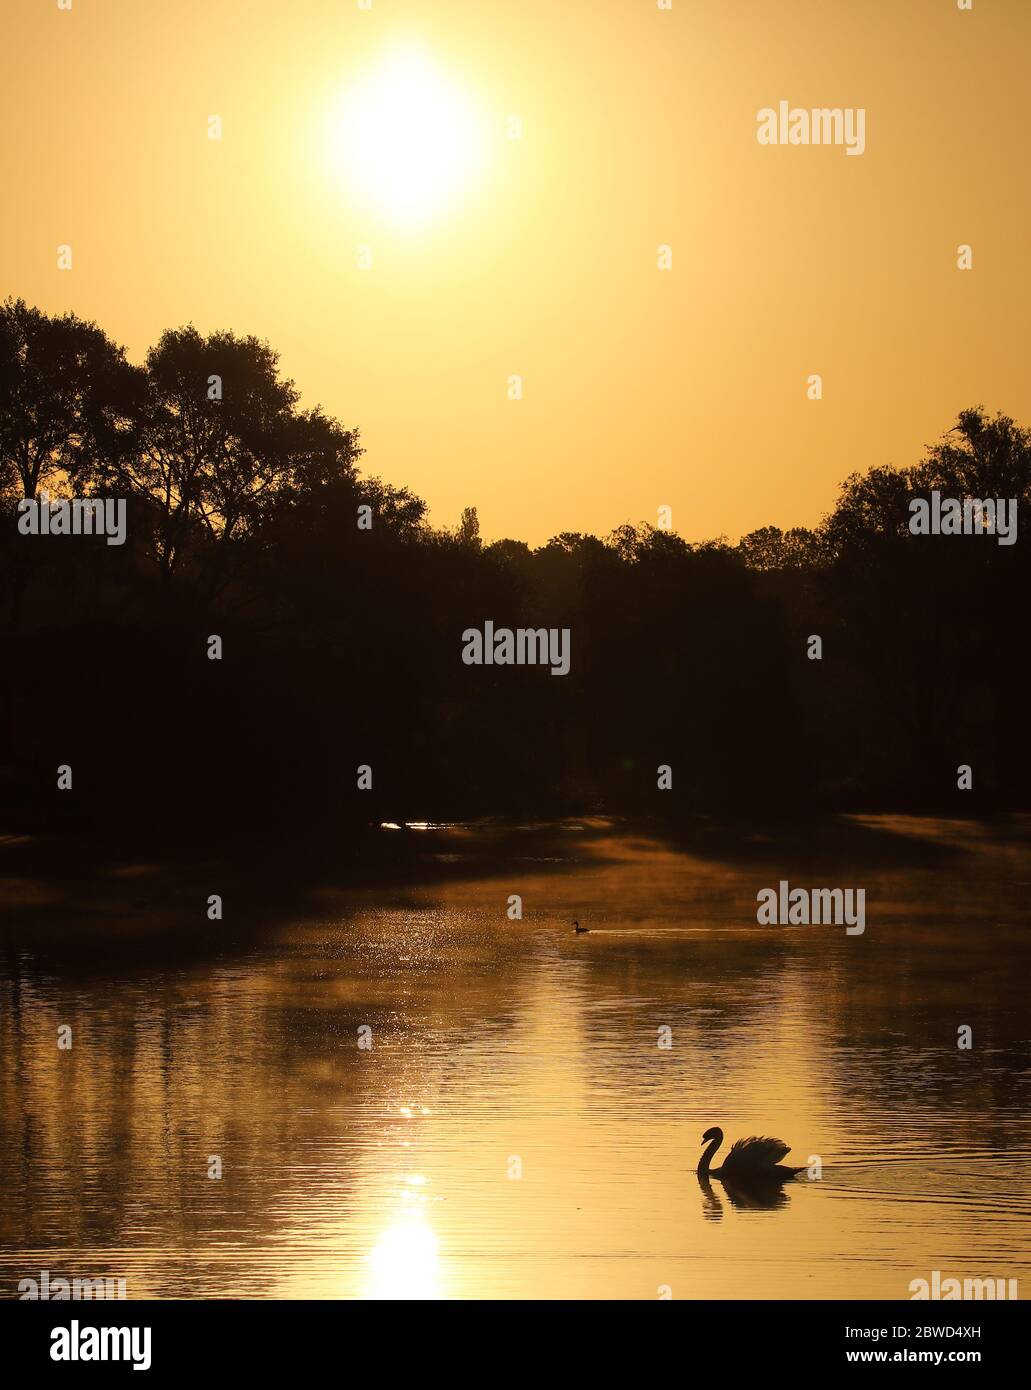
x=499, y=1044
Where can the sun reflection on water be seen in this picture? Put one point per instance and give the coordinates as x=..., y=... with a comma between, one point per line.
x=384, y=1174
x=405, y=1261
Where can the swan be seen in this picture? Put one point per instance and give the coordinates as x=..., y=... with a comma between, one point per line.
x=577, y=928
x=750, y=1160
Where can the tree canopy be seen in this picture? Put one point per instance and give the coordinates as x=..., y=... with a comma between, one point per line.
x=341, y=610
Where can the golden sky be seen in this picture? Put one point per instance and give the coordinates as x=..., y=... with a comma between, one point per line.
x=641, y=387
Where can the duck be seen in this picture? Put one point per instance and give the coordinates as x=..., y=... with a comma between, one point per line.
x=580, y=931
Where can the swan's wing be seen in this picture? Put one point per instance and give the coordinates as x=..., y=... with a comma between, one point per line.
x=754, y=1155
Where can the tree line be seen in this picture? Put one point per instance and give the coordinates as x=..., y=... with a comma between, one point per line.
x=340, y=612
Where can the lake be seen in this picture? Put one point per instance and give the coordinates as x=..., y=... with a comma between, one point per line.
x=515, y=1129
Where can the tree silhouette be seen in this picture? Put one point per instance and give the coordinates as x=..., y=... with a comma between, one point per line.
x=67, y=396
x=341, y=612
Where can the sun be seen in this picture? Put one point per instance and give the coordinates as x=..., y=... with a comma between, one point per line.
x=407, y=140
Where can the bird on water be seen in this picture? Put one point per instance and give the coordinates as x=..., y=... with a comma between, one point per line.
x=755, y=1159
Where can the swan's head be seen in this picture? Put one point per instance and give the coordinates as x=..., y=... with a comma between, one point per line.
x=713, y=1133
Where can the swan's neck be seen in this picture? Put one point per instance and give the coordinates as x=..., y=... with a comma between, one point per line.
x=709, y=1153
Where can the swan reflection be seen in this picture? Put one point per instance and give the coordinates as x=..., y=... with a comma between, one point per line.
x=755, y=1195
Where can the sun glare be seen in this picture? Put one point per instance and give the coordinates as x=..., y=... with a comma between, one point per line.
x=405, y=1263
x=406, y=140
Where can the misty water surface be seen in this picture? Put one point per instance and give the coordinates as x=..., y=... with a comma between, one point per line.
x=502, y=1047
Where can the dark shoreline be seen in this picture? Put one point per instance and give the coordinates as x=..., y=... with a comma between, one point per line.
x=70, y=895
